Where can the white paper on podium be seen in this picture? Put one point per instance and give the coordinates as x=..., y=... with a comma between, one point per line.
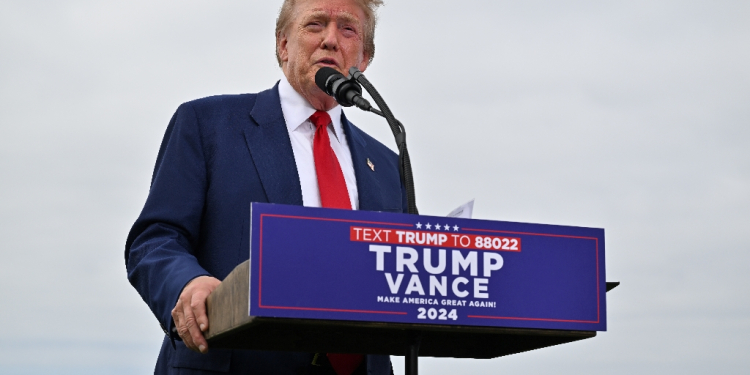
x=463, y=211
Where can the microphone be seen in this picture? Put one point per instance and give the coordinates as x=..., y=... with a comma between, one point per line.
x=346, y=92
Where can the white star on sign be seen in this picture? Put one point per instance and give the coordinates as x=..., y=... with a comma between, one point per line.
x=419, y=225
x=447, y=227
x=455, y=228
x=428, y=226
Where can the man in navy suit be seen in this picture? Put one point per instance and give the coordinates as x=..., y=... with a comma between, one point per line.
x=221, y=153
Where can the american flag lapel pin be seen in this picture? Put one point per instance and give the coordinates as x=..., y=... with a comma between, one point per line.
x=369, y=164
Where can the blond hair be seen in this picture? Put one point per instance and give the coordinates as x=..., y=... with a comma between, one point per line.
x=368, y=6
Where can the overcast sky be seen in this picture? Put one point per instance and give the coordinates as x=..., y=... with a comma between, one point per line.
x=632, y=116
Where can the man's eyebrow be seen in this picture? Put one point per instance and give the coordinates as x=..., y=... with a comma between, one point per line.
x=342, y=16
x=349, y=18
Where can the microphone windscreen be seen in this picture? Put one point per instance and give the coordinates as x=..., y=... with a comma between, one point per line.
x=322, y=76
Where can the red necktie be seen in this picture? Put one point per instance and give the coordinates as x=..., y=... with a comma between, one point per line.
x=333, y=194
x=331, y=183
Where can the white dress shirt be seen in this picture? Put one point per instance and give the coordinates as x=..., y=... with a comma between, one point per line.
x=297, y=112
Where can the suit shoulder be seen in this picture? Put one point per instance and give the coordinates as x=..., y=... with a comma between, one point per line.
x=221, y=103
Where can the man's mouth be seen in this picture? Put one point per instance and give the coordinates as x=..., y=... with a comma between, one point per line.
x=328, y=62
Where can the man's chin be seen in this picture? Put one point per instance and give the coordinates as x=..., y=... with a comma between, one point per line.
x=321, y=65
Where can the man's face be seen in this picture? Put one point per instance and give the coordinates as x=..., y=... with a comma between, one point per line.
x=321, y=33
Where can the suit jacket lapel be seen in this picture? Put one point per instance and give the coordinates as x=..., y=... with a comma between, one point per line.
x=369, y=185
x=268, y=141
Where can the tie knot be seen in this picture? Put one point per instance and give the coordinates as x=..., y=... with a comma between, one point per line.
x=320, y=118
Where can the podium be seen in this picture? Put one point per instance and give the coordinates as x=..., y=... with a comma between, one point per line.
x=284, y=298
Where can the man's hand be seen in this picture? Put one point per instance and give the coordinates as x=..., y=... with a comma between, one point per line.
x=189, y=313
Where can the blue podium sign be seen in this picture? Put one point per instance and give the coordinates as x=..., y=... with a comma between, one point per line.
x=317, y=263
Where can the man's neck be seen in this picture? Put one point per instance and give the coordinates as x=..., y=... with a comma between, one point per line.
x=321, y=104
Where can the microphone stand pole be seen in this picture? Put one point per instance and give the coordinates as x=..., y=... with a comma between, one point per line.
x=407, y=178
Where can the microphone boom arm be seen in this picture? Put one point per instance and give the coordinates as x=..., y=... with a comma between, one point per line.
x=407, y=177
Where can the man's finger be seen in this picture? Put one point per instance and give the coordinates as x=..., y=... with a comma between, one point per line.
x=183, y=329
x=198, y=305
x=198, y=343
x=178, y=316
x=178, y=313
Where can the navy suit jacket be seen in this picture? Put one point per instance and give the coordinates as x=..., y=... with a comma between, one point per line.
x=219, y=154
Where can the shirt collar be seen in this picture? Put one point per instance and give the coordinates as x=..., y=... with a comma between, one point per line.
x=297, y=110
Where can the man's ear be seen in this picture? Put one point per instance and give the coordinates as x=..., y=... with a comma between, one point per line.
x=281, y=44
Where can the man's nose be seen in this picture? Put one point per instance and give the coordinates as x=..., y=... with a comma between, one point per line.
x=331, y=37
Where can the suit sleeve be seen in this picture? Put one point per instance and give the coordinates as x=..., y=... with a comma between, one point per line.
x=160, y=252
